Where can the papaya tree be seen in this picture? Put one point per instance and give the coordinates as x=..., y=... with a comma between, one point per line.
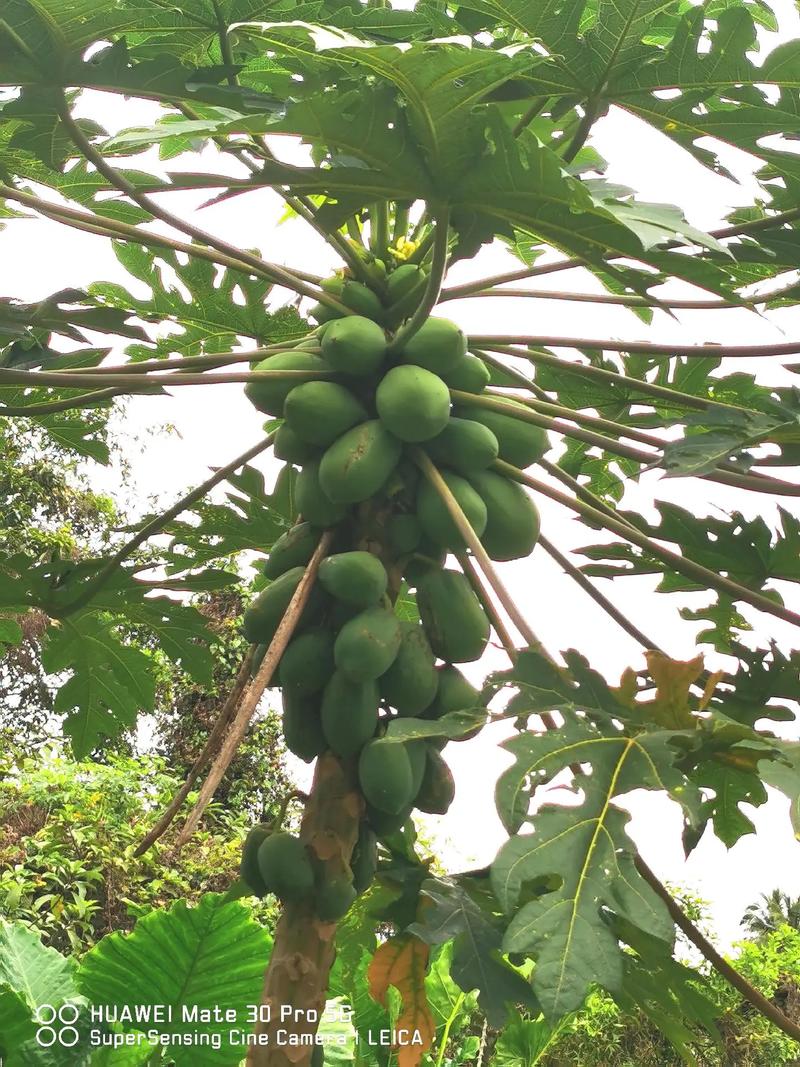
x=415, y=457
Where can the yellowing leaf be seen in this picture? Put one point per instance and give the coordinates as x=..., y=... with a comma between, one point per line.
x=402, y=962
x=671, y=707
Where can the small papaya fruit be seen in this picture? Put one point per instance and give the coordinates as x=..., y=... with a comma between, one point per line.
x=285, y=867
x=436, y=521
x=386, y=776
x=427, y=557
x=292, y=549
x=357, y=465
x=413, y=403
x=470, y=375
x=334, y=898
x=364, y=861
x=307, y=663
x=361, y=299
x=410, y=683
x=385, y=824
x=455, y=622
x=438, y=345
x=248, y=866
x=319, y=412
x=302, y=724
x=292, y=449
x=404, y=289
x=438, y=788
x=262, y=616
x=268, y=395
x=355, y=346
x=416, y=755
x=464, y=446
x=367, y=644
x=312, y=502
x=403, y=533
x=512, y=518
x=349, y=714
x=453, y=693
x=357, y=578
x=521, y=443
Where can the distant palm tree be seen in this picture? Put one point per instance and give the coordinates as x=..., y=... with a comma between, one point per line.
x=773, y=910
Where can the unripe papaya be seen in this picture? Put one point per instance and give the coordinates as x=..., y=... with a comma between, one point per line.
x=413, y=403
x=404, y=289
x=262, y=616
x=354, y=346
x=248, y=867
x=307, y=663
x=470, y=375
x=416, y=755
x=438, y=345
x=436, y=521
x=361, y=299
x=349, y=714
x=367, y=645
x=302, y=724
x=292, y=549
x=312, y=502
x=385, y=824
x=512, y=519
x=334, y=898
x=454, y=693
x=521, y=443
x=427, y=557
x=258, y=658
x=403, y=533
x=285, y=867
x=454, y=620
x=319, y=412
x=386, y=776
x=410, y=683
x=464, y=446
x=364, y=861
x=290, y=448
x=357, y=465
x=438, y=787
x=357, y=578
x=269, y=396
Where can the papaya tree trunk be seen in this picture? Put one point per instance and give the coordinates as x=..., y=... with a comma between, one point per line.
x=296, y=979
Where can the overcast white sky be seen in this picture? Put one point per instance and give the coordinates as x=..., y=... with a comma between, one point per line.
x=214, y=425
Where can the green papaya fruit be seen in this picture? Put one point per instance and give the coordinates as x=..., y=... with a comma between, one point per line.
x=357, y=465
x=319, y=412
x=427, y=557
x=455, y=622
x=521, y=443
x=269, y=396
x=364, y=861
x=262, y=616
x=385, y=824
x=410, y=683
x=470, y=375
x=357, y=578
x=436, y=521
x=403, y=533
x=464, y=446
x=302, y=724
x=334, y=898
x=404, y=289
x=367, y=644
x=416, y=754
x=285, y=867
x=258, y=658
x=312, y=502
x=453, y=693
x=512, y=518
x=386, y=775
x=355, y=346
x=349, y=713
x=361, y=299
x=292, y=549
x=438, y=345
x=413, y=403
x=307, y=663
x=292, y=449
x=248, y=866
x=438, y=787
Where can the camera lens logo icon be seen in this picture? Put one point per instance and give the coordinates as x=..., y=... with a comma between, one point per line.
x=55, y=1026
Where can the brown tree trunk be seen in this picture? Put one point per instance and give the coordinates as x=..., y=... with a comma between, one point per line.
x=296, y=980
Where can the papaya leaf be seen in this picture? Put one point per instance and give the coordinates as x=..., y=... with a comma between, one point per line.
x=523, y=1042
x=402, y=962
x=175, y=958
x=450, y=912
x=731, y=786
x=784, y=774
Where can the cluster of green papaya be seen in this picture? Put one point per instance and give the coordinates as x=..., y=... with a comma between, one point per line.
x=352, y=664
